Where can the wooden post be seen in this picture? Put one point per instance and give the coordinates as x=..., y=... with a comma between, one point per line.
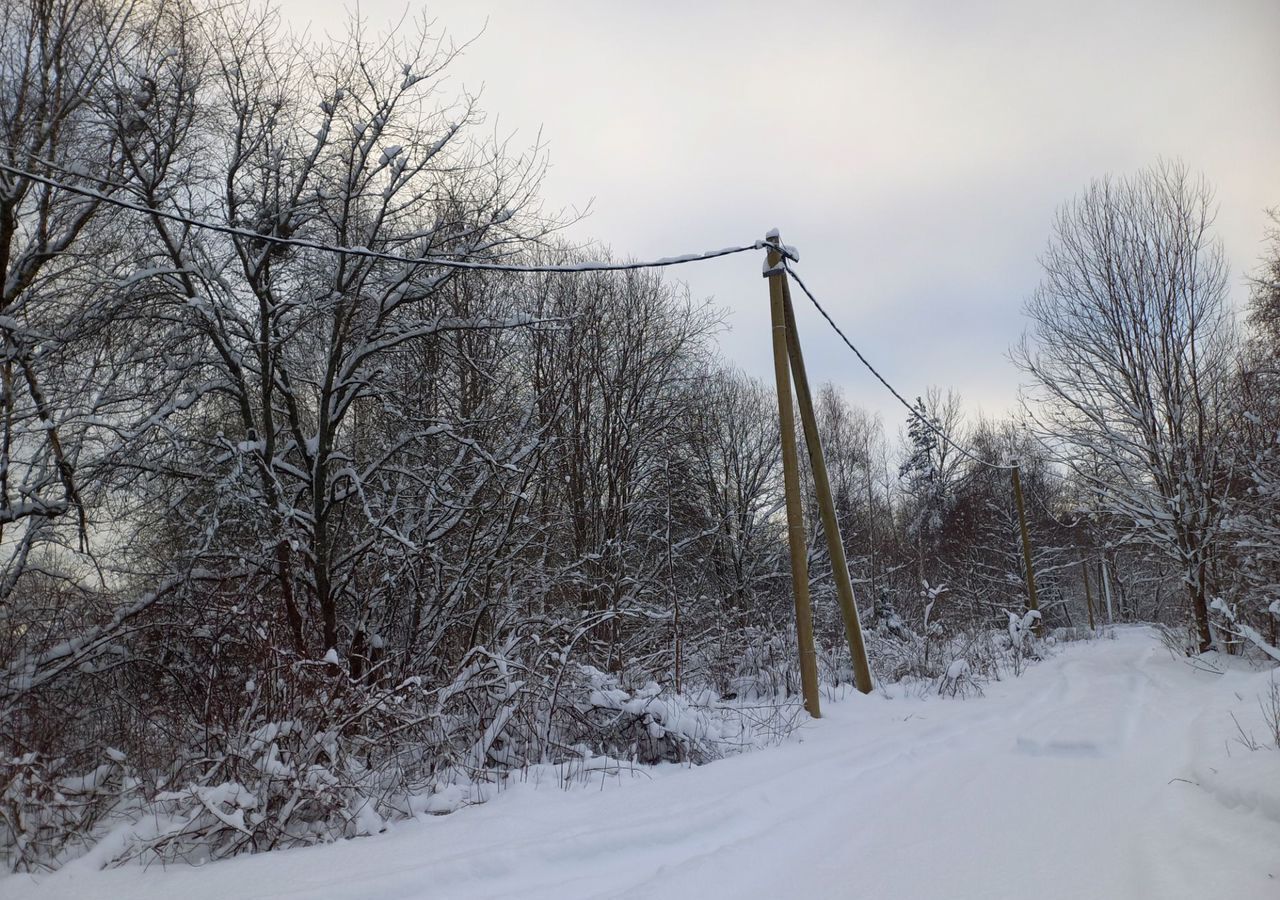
x=822, y=486
x=791, y=484
x=1088, y=594
x=1106, y=589
x=872, y=596
x=1033, y=602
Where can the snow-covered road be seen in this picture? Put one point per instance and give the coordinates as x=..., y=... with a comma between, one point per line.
x=1109, y=771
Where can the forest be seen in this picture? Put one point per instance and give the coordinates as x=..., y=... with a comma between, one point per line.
x=325, y=497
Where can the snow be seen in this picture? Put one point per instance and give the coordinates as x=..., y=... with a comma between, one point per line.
x=1108, y=770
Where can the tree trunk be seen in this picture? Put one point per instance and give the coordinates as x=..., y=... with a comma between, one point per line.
x=1200, y=615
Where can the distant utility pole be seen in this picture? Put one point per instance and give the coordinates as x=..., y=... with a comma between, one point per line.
x=1106, y=589
x=1033, y=601
x=1088, y=594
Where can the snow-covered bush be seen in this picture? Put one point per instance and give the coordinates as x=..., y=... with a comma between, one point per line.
x=1235, y=627
x=767, y=667
x=352, y=756
x=958, y=680
x=47, y=814
x=648, y=725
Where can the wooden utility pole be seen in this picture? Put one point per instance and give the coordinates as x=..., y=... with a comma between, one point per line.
x=822, y=487
x=1088, y=594
x=791, y=483
x=1033, y=602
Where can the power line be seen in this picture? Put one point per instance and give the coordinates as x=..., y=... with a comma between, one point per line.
x=443, y=262
x=365, y=252
x=915, y=413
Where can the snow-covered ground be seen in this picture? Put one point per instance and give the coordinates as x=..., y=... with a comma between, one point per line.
x=1110, y=771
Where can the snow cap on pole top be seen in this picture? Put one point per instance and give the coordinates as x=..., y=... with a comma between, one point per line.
x=772, y=241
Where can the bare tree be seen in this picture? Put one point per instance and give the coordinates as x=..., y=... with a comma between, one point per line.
x=55, y=57
x=83, y=383
x=739, y=455
x=1130, y=355
x=300, y=349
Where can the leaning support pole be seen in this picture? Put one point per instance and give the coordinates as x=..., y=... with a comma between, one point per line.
x=1033, y=601
x=791, y=483
x=1088, y=594
x=822, y=486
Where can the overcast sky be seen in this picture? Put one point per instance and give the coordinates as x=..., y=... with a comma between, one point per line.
x=914, y=152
